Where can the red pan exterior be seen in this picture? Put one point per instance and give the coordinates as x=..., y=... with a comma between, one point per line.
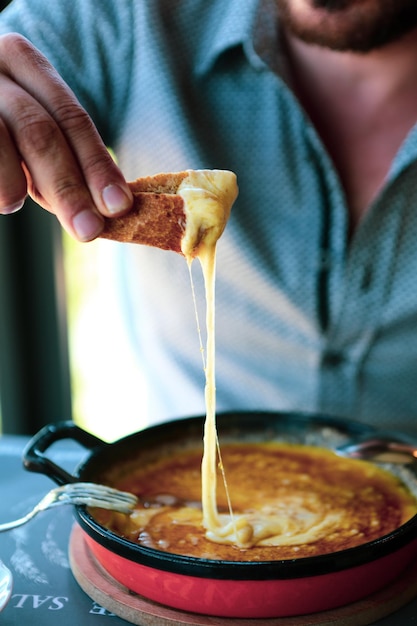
x=255, y=598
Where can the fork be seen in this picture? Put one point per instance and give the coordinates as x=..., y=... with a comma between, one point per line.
x=90, y=494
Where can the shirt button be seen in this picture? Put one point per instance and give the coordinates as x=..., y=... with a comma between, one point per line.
x=333, y=358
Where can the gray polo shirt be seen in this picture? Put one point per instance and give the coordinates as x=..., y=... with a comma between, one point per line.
x=306, y=319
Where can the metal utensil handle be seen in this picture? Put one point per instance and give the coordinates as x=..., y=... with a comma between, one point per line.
x=34, y=459
x=403, y=447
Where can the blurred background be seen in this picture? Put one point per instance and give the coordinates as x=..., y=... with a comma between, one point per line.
x=62, y=352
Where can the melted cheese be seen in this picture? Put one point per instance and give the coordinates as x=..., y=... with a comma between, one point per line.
x=208, y=197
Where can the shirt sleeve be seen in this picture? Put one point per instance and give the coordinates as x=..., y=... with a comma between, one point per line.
x=90, y=45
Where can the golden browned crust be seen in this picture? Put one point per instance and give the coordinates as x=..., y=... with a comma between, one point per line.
x=164, y=183
x=157, y=217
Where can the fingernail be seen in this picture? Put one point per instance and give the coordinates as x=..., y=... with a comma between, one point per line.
x=116, y=199
x=87, y=225
x=13, y=208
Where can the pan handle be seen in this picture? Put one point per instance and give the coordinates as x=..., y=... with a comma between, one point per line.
x=34, y=459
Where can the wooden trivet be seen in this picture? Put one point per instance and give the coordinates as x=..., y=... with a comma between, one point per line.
x=110, y=594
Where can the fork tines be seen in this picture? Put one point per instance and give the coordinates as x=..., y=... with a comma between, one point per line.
x=95, y=495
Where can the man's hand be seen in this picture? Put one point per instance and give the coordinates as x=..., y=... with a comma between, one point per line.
x=50, y=148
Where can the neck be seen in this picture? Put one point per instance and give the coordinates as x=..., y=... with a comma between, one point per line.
x=362, y=105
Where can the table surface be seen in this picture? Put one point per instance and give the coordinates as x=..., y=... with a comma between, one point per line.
x=44, y=589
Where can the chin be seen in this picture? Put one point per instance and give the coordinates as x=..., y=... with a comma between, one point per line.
x=348, y=25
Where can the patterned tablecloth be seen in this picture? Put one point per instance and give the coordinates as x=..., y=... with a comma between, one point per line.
x=45, y=592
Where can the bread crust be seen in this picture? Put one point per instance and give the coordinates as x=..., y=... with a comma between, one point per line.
x=157, y=217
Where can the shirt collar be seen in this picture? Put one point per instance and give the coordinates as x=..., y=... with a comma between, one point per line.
x=238, y=23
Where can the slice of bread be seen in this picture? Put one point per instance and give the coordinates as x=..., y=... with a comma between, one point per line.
x=172, y=208
x=157, y=217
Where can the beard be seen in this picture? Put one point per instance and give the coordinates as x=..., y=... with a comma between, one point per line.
x=348, y=25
